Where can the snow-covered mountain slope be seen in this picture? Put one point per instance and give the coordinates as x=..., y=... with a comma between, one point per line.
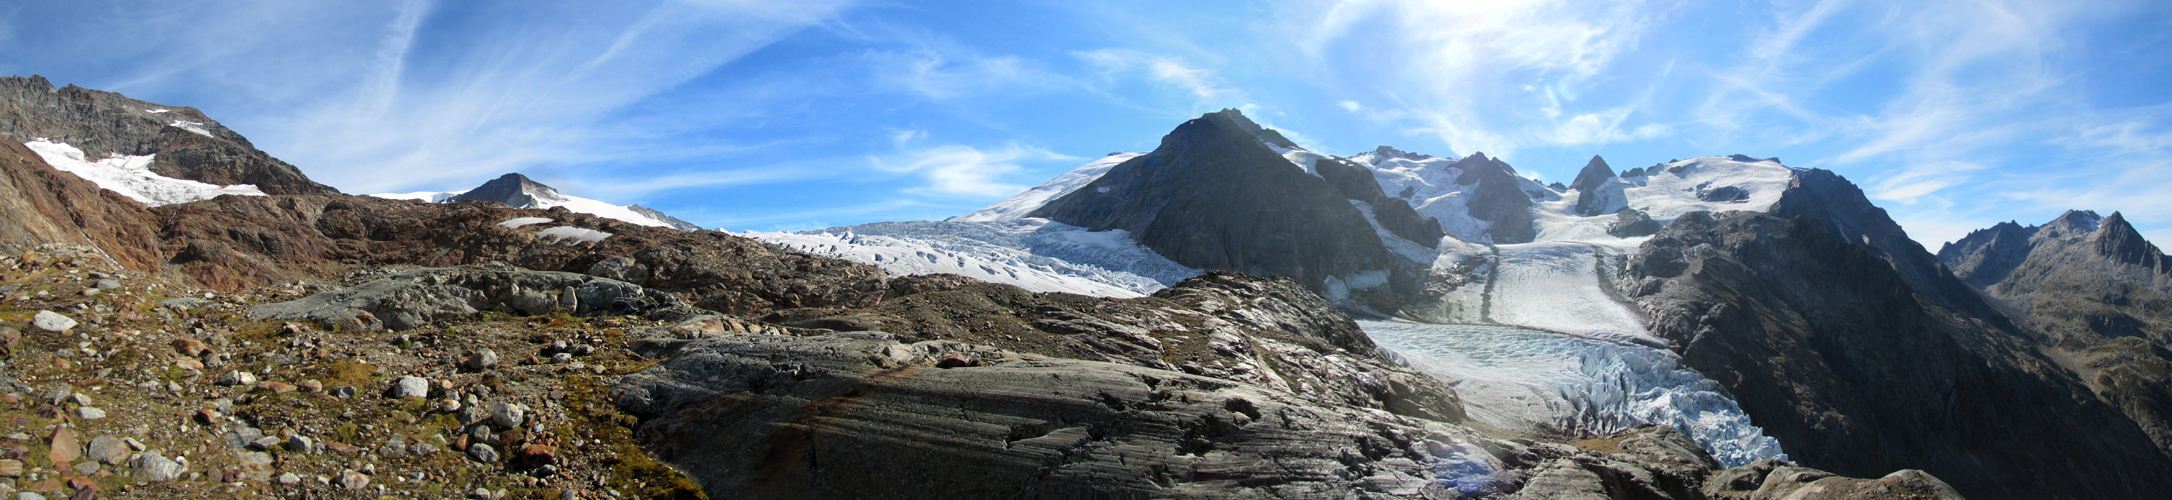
x=518, y=191
x=131, y=176
x=1668, y=190
x=1530, y=380
x=1017, y=206
x=999, y=244
x=1034, y=254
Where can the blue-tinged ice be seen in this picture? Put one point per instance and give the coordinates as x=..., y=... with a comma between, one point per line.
x=1532, y=380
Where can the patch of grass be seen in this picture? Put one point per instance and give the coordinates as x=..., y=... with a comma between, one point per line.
x=350, y=373
x=349, y=433
x=1600, y=445
x=633, y=470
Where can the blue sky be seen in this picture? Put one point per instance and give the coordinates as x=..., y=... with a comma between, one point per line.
x=765, y=115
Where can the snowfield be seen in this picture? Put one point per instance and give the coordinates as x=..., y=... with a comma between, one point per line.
x=131, y=176
x=1031, y=253
x=1529, y=380
x=544, y=200
x=1556, y=286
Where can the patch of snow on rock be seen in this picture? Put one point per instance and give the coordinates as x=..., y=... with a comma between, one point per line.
x=197, y=127
x=572, y=235
x=517, y=222
x=131, y=176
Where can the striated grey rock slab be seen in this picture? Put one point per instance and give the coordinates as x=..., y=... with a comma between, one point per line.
x=841, y=414
x=416, y=297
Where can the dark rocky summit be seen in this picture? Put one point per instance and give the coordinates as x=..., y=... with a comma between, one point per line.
x=1590, y=200
x=514, y=190
x=105, y=123
x=1851, y=345
x=1986, y=255
x=1213, y=196
x=1498, y=198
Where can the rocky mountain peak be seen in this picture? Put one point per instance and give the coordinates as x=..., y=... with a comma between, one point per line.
x=1498, y=198
x=2117, y=240
x=1233, y=118
x=1214, y=196
x=2072, y=225
x=514, y=190
x=1592, y=197
x=1595, y=172
x=1986, y=255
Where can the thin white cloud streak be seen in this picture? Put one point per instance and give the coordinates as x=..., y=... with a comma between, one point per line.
x=517, y=100
x=953, y=169
x=1204, y=88
x=383, y=83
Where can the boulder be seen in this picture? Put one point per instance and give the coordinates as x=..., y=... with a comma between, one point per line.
x=52, y=321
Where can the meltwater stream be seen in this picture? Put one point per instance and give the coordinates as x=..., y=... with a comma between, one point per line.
x=1524, y=379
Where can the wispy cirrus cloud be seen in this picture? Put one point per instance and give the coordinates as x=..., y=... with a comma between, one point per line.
x=952, y=169
x=1470, y=72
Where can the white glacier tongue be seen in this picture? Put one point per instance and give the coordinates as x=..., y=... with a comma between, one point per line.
x=1558, y=286
x=1035, y=254
x=131, y=176
x=1536, y=381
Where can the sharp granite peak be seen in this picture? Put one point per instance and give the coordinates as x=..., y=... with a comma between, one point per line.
x=518, y=191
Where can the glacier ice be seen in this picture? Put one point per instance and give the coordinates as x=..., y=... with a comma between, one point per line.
x=1031, y=253
x=1532, y=380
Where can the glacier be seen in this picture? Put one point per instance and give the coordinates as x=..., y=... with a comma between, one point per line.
x=1537, y=341
x=1032, y=253
x=1000, y=244
x=1538, y=381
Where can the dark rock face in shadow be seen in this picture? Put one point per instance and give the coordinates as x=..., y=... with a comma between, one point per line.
x=1848, y=343
x=1498, y=198
x=1213, y=196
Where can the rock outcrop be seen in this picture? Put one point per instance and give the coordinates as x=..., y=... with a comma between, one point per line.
x=412, y=299
x=833, y=413
x=1853, y=347
x=187, y=144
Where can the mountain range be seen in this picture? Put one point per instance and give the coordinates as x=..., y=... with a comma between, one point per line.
x=1162, y=323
